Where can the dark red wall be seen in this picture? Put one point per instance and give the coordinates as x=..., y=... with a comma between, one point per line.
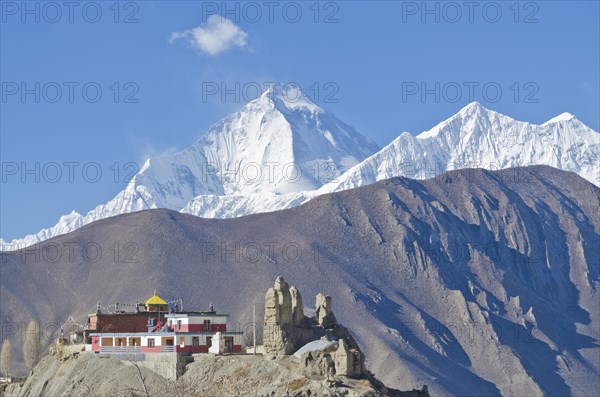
x=192, y=349
x=123, y=323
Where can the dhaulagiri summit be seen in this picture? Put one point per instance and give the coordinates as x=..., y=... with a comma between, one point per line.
x=282, y=149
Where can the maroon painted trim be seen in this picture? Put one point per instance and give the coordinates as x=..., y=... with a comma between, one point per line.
x=200, y=328
x=191, y=349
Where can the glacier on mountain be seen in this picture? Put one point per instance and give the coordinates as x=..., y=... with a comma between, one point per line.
x=279, y=152
x=477, y=137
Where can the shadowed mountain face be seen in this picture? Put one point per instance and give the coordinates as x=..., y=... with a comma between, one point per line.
x=475, y=282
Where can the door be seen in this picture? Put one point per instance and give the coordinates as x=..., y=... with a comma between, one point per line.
x=229, y=344
x=208, y=342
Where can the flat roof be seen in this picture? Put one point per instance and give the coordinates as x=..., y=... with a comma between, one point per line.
x=196, y=314
x=163, y=313
x=162, y=333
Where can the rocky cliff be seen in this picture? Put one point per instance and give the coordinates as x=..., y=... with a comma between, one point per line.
x=87, y=375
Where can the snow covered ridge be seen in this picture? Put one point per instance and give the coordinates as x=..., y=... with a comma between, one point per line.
x=276, y=153
x=477, y=137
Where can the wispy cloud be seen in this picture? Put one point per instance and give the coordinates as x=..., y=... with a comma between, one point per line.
x=146, y=149
x=213, y=37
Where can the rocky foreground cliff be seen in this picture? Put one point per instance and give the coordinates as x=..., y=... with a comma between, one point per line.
x=87, y=375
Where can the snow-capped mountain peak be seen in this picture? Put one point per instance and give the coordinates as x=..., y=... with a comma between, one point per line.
x=286, y=98
x=72, y=215
x=280, y=143
x=282, y=150
x=566, y=116
x=473, y=107
x=477, y=137
x=474, y=112
x=277, y=142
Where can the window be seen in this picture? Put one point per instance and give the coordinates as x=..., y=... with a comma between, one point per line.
x=182, y=341
x=178, y=325
x=195, y=341
x=207, y=325
x=150, y=342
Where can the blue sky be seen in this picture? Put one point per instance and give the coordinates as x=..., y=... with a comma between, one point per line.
x=361, y=58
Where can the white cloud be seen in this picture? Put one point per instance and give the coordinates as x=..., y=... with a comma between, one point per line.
x=213, y=37
x=147, y=149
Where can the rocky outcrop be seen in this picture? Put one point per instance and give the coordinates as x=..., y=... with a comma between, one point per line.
x=287, y=329
x=284, y=297
x=348, y=361
x=318, y=363
x=334, y=362
x=325, y=317
x=284, y=312
x=297, y=307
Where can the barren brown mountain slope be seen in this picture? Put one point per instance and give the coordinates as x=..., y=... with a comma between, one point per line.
x=474, y=283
